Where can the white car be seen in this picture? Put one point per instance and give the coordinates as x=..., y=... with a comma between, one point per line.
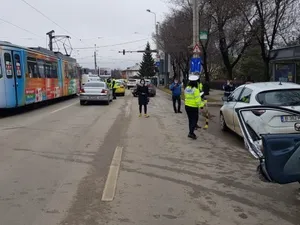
x=131, y=83
x=95, y=91
x=282, y=94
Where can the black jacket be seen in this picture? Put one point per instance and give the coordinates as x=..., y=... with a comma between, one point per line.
x=143, y=94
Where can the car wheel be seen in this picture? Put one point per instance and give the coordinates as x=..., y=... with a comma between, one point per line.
x=123, y=94
x=107, y=102
x=81, y=102
x=223, y=123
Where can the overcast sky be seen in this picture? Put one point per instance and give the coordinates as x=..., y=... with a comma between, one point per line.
x=88, y=22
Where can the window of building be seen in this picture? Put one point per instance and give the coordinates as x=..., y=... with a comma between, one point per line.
x=8, y=65
x=32, y=68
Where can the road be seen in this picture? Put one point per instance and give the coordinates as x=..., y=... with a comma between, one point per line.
x=85, y=165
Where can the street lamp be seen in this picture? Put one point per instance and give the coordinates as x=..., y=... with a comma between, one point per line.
x=148, y=10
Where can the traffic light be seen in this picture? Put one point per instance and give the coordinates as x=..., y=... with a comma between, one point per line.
x=123, y=51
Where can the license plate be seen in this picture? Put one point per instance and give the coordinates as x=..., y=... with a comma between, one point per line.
x=290, y=118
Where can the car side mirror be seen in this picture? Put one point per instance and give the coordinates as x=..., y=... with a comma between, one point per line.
x=224, y=98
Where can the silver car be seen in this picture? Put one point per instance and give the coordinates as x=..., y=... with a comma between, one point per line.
x=95, y=92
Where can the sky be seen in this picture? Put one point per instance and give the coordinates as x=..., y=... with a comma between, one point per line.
x=113, y=25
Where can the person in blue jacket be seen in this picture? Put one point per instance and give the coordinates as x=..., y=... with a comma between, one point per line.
x=175, y=87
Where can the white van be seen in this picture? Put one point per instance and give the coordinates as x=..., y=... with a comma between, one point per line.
x=89, y=77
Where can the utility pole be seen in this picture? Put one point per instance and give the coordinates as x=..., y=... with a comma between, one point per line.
x=195, y=24
x=95, y=58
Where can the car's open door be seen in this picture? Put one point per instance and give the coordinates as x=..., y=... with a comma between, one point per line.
x=278, y=154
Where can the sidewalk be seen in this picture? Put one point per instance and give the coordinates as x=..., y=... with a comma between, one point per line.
x=168, y=179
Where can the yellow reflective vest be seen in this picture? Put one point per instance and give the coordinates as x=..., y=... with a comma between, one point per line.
x=200, y=86
x=109, y=84
x=114, y=84
x=192, y=97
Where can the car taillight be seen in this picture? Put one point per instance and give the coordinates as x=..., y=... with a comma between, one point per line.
x=104, y=91
x=258, y=112
x=81, y=90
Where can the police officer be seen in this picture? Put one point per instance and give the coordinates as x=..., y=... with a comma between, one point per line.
x=114, y=87
x=192, y=104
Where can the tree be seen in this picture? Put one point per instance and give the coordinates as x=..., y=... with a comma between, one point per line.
x=274, y=21
x=175, y=35
x=147, y=65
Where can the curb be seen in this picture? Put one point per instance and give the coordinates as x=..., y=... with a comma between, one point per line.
x=216, y=104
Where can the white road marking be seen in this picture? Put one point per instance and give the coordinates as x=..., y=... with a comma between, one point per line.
x=111, y=181
x=128, y=109
x=57, y=110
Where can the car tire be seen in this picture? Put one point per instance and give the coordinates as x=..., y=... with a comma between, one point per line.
x=81, y=102
x=107, y=102
x=123, y=94
x=223, y=123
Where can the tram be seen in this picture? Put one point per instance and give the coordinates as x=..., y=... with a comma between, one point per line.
x=32, y=75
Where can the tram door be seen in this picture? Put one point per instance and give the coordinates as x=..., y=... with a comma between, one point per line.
x=13, y=76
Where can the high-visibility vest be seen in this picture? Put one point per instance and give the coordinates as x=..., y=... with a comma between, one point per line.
x=114, y=83
x=200, y=86
x=192, y=97
x=109, y=84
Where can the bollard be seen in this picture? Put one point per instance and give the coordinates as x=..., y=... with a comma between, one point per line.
x=206, y=115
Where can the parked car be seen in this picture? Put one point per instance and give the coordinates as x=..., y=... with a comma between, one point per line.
x=131, y=83
x=120, y=88
x=286, y=95
x=151, y=88
x=95, y=92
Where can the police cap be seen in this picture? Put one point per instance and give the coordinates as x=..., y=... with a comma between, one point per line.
x=193, y=77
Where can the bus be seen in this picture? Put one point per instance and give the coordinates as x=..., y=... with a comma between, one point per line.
x=32, y=75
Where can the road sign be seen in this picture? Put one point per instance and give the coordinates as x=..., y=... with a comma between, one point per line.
x=157, y=64
x=203, y=35
x=195, y=66
x=196, y=49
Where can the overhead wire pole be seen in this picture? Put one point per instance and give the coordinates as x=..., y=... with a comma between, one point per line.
x=95, y=58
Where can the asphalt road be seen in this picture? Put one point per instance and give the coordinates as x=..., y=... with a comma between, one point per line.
x=69, y=164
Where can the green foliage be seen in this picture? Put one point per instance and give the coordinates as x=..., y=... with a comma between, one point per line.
x=147, y=65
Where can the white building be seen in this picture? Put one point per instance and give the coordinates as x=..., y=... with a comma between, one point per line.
x=132, y=71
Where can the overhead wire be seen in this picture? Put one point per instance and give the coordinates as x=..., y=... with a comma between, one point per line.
x=47, y=17
x=112, y=45
x=28, y=31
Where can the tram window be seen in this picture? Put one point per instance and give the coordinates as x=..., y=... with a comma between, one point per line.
x=41, y=69
x=0, y=69
x=32, y=68
x=18, y=66
x=47, y=70
x=71, y=71
x=54, y=70
x=8, y=65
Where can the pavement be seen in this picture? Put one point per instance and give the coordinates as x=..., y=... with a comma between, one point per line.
x=85, y=165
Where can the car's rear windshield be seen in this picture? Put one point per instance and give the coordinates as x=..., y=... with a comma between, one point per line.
x=94, y=85
x=287, y=97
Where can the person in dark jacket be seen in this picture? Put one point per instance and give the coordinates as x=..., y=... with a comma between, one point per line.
x=143, y=97
x=175, y=87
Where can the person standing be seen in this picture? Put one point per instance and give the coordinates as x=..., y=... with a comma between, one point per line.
x=192, y=104
x=143, y=97
x=114, y=87
x=175, y=87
